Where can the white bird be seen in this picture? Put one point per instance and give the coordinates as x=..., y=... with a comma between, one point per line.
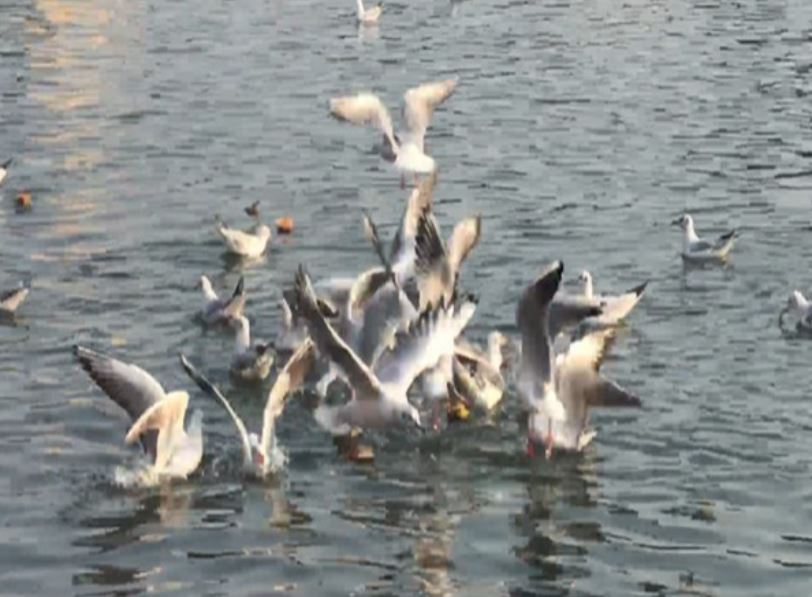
x=249, y=362
x=695, y=249
x=801, y=308
x=246, y=243
x=379, y=394
x=559, y=392
x=408, y=153
x=157, y=417
x=614, y=308
x=5, y=165
x=477, y=374
x=368, y=16
x=11, y=300
x=218, y=311
x=261, y=454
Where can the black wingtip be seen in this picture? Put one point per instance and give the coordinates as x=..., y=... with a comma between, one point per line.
x=640, y=288
x=6, y=164
x=732, y=234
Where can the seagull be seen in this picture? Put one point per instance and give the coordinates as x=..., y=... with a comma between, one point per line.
x=695, y=249
x=477, y=374
x=801, y=308
x=249, y=363
x=261, y=454
x=560, y=391
x=5, y=165
x=216, y=310
x=614, y=308
x=407, y=154
x=11, y=300
x=369, y=16
x=157, y=417
x=251, y=243
x=379, y=394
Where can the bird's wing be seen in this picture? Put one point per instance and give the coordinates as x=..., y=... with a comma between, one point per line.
x=213, y=391
x=462, y=241
x=615, y=308
x=723, y=240
x=579, y=384
x=401, y=253
x=129, y=386
x=235, y=305
x=371, y=232
x=364, y=108
x=12, y=299
x=366, y=286
x=289, y=379
x=330, y=344
x=166, y=417
x=419, y=104
x=428, y=339
x=532, y=319
x=435, y=280
x=567, y=311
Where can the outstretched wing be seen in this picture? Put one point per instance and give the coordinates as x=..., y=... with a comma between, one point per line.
x=12, y=299
x=428, y=339
x=166, y=417
x=532, y=319
x=419, y=104
x=289, y=379
x=401, y=253
x=213, y=391
x=129, y=386
x=364, y=108
x=330, y=344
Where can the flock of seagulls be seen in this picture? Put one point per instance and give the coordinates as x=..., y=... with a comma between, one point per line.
x=387, y=348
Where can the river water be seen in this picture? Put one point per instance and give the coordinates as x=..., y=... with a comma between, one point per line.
x=579, y=130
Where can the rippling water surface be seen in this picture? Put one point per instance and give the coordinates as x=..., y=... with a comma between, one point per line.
x=580, y=130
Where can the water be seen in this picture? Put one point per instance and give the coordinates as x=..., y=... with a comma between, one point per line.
x=580, y=130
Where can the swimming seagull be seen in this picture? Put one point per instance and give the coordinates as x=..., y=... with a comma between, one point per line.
x=379, y=394
x=408, y=154
x=614, y=308
x=5, y=165
x=697, y=250
x=261, y=454
x=801, y=308
x=157, y=417
x=216, y=310
x=249, y=363
x=477, y=374
x=11, y=300
x=368, y=16
x=559, y=391
x=250, y=243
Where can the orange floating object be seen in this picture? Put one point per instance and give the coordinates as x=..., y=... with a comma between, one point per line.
x=24, y=200
x=284, y=225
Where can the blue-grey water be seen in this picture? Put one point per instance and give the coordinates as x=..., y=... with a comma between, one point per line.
x=580, y=129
